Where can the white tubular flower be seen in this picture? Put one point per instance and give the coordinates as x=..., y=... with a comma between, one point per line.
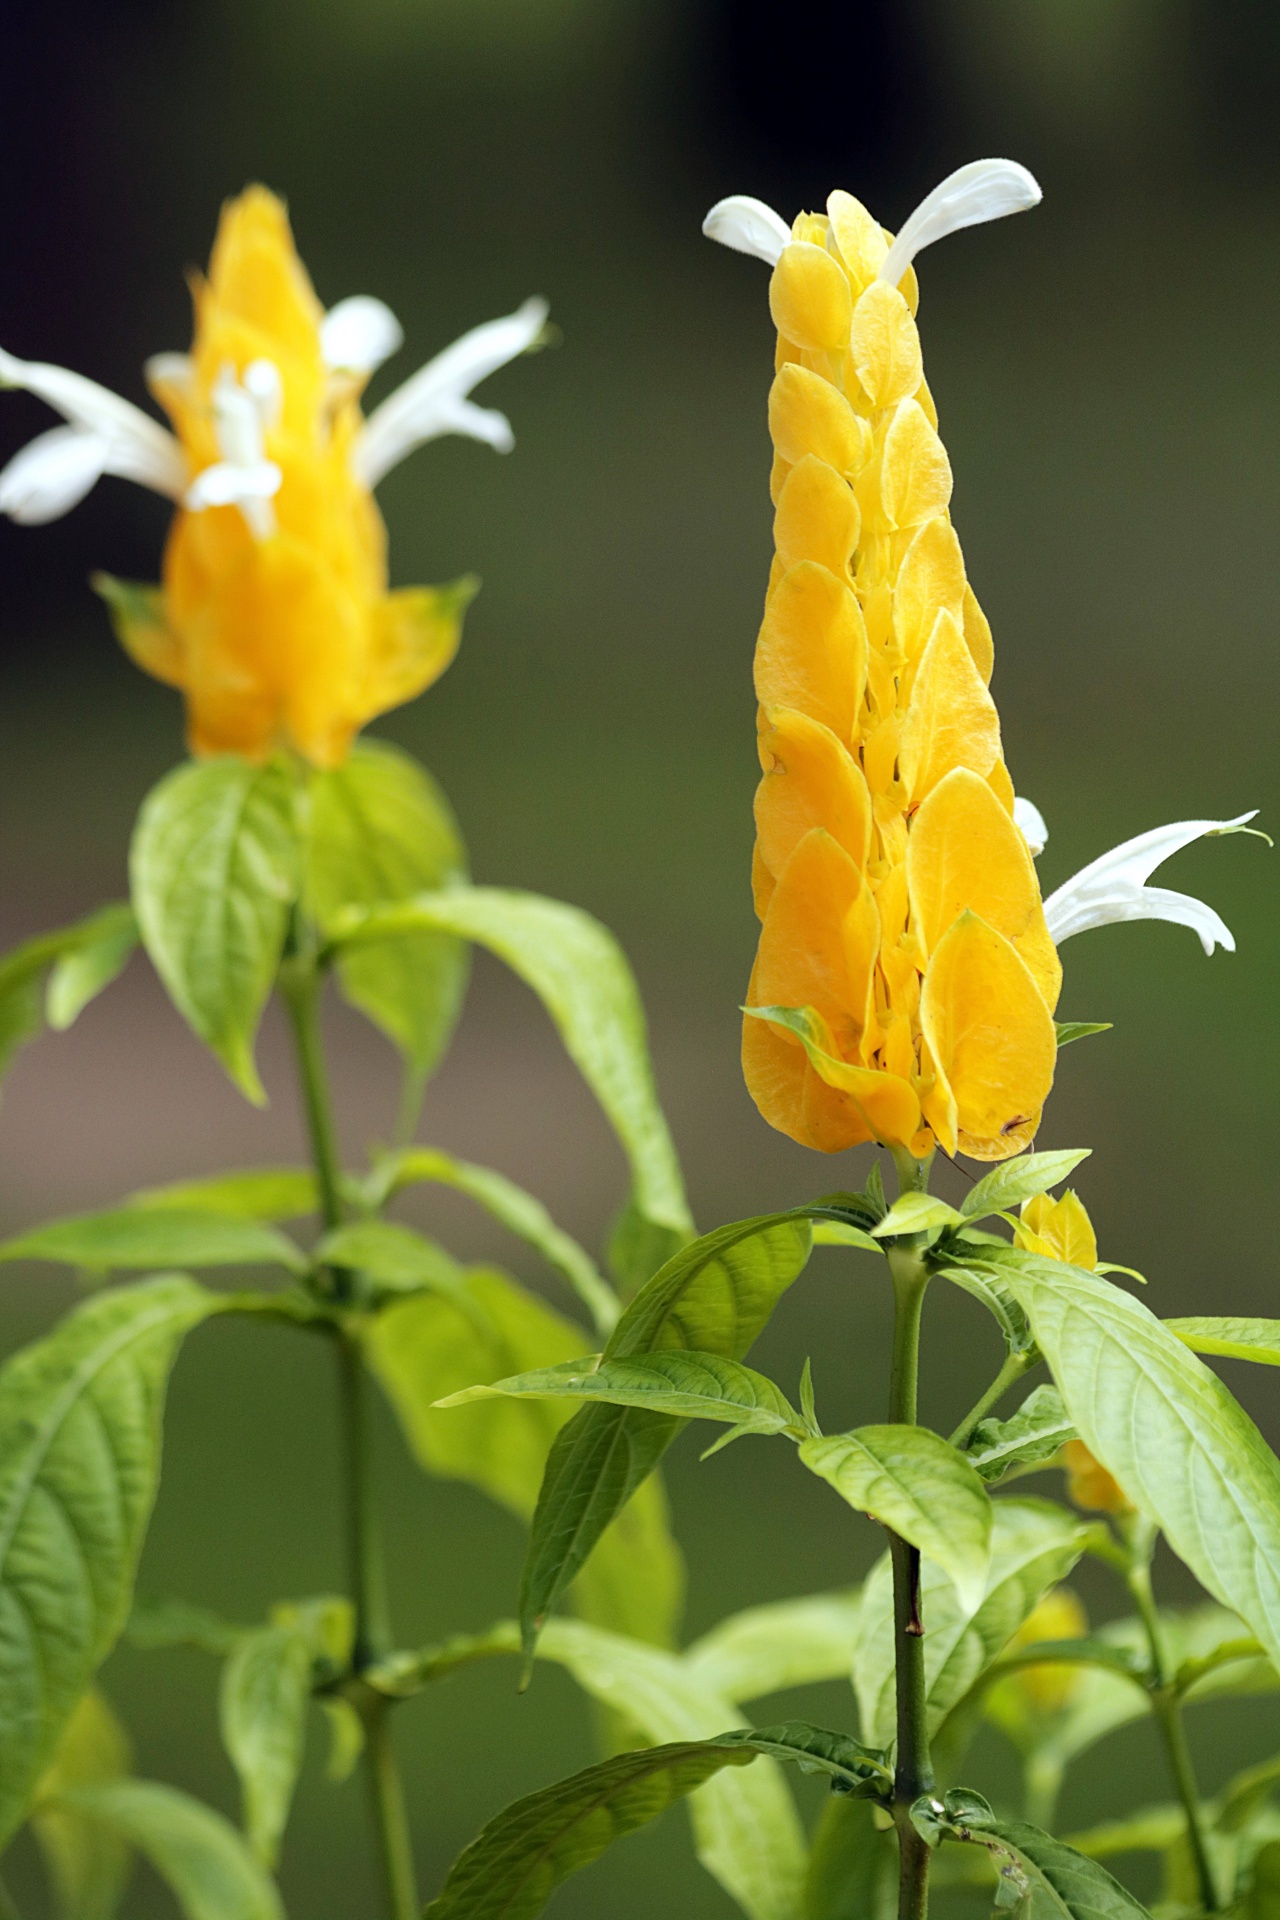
x=984, y=190
x=104, y=434
x=748, y=226
x=1114, y=887
x=1029, y=821
x=358, y=334
x=243, y=412
x=436, y=399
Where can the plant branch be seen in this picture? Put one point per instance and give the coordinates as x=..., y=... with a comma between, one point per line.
x=1166, y=1705
x=1015, y=1365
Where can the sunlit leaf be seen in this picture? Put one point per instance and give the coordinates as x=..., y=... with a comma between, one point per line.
x=150, y=1236
x=248, y=1193
x=206, y=1864
x=87, y=1863
x=1231, y=1339
x=1028, y=1438
x=1069, y=1030
x=1008, y=1185
x=265, y=1692
x=81, y=973
x=24, y=967
x=393, y=1257
x=790, y=1643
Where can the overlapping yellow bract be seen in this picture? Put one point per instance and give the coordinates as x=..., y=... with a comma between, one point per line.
x=288, y=639
x=900, y=906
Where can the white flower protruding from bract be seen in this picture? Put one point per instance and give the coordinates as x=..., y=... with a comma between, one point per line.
x=104, y=434
x=984, y=190
x=1115, y=888
x=358, y=334
x=244, y=411
x=748, y=226
x=436, y=399
x=1029, y=821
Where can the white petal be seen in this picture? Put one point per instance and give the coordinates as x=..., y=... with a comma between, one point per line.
x=1028, y=818
x=984, y=190
x=229, y=483
x=143, y=450
x=1113, y=887
x=429, y=403
x=264, y=384
x=359, y=334
x=170, y=370
x=51, y=474
x=748, y=226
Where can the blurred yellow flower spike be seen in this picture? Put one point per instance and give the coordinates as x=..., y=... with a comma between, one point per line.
x=1053, y=1686
x=274, y=617
x=1089, y=1485
x=906, y=980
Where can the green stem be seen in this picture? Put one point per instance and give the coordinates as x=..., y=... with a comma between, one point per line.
x=1015, y=1365
x=301, y=986
x=1167, y=1708
x=913, y=1774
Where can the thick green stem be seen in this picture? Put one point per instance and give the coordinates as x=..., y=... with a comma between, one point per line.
x=301, y=987
x=1014, y=1367
x=913, y=1774
x=1167, y=1708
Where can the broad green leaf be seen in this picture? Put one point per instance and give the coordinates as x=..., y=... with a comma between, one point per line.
x=852, y=1866
x=1163, y=1424
x=79, y=1460
x=511, y=1870
x=22, y=969
x=250, y=1193
x=580, y=974
x=915, y=1213
x=1069, y=1030
x=790, y=1643
x=393, y=1257
x=87, y=1863
x=638, y=1246
x=266, y=1687
x=520, y=1213
x=715, y=1296
x=150, y=1236
x=210, y=1870
x=694, y=1386
x=832, y=1233
x=1263, y=1899
x=916, y=1483
x=426, y=1347
x=1072, y=1885
x=214, y=870
x=1232, y=1339
x=1034, y=1545
x=21, y=1016
x=1017, y=1180
x=80, y=974
x=997, y=1299
x=1028, y=1438
x=382, y=831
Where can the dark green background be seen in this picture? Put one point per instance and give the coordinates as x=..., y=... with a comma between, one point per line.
x=1108, y=375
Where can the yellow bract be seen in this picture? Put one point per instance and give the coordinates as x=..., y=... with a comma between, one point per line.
x=902, y=921
x=282, y=635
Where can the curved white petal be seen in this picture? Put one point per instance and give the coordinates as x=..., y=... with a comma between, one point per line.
x=1029, y=820
x=170, y=370
x=359, y=334
x=1113, y=887
x=984, y=190
x=432, y=401
x=51, y=474
x=748, y=226
x=140, y=448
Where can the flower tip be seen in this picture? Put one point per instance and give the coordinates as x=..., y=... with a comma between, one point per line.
x=748, y=226
x=1030, y=822
x=358, y=334
x=981, y=191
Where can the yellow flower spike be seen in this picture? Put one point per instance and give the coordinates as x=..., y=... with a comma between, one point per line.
x=274, y=616
x=1053, y=1685
x=884, y=784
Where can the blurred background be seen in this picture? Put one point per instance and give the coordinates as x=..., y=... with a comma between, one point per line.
x=1108, y=375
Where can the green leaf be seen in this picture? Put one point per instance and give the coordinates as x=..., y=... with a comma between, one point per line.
x=211, y=1872
x=997, y=1299
x=215, y=869
x=916, y=1213
x=511, y=1870
x=1246, y=1794
x=20, y=1015
x=520, y=1213
x=80, y=974
x=696, y=1386
x=916, y=1483
x=1072, y=1884
x=1069, y=1030
x=1022, y=1179
x=789, y=1643
x=1232, y=1339
x=79, y=1460
x=852, y=1866
x=394, y=1257
x=381, y=831
x=87, y=1864
x=1034, y=1545
x=249, y=1193
x=150, y=1236
x=266, y=1687
x=835, y=1233
x=638, y=1246
x=1030, y=1437
x=179, y=1623
x=1184, y=1452
x=1263, y=1899
x=580, y=974
x=715, y=1297
x=424, y=1348
x=1150, y=1830
x=22, y=969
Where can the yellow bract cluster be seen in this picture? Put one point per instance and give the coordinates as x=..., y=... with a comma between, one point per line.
x=903, y=931
x=288, y=637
